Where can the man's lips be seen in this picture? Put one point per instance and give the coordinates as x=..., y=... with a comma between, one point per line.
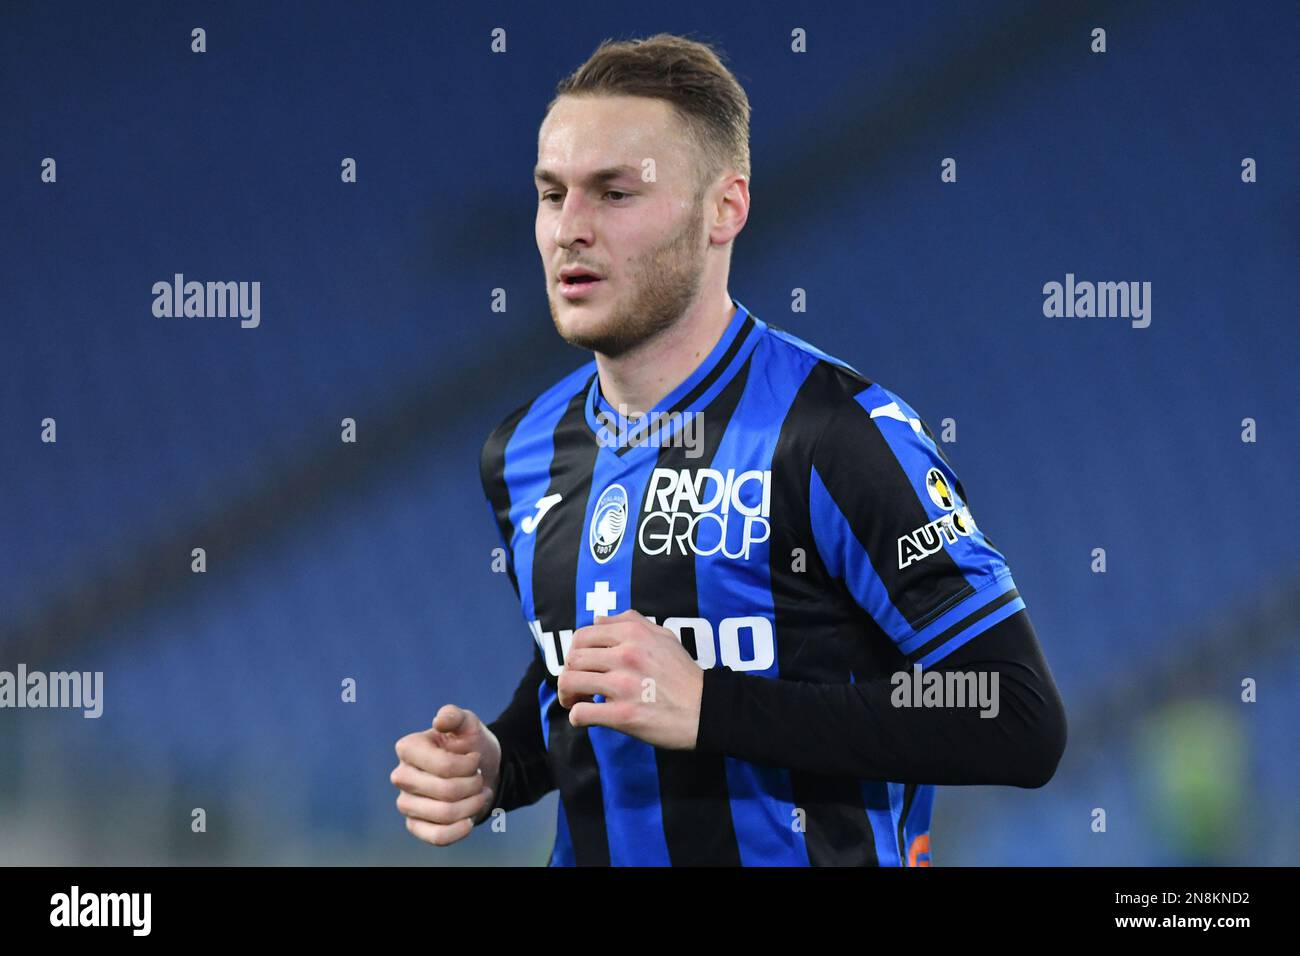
x=578, y=272
x=580, y=289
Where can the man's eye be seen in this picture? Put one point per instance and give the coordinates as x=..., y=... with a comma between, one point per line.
x=618, y=194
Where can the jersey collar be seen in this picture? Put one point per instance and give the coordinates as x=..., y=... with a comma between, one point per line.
x=710, y=377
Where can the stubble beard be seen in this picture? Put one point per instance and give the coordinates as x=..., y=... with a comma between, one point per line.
x=664, y=284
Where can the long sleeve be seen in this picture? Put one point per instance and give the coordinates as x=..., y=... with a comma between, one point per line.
x=525, y=774
x=892, y=530
x=855, y=728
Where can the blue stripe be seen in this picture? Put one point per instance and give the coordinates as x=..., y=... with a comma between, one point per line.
x=981, y=565
x=528, y=472
x=762, y=797
x=845, y=558
x=813, y=350
x=545, y=697
x=999, y=586
x=1001, y=614
x=883, y=815
x=629, y=774
x=977, y=560
x=562, y=853
x=918, y=821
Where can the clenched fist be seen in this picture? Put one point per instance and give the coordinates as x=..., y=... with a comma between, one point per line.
x=651, y=684
x=447, y=776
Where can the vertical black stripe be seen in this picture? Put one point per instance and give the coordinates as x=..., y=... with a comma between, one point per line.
x=555, y=571
x=858, y=456
x=693, y=793
x=818, y=628
x=492, y=472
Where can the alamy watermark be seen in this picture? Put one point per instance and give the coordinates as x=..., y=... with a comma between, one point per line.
x=662, y=429
x=1103, y=300
x=82, y=690
x=209, y=300
x=75, y=908
x=975, y=689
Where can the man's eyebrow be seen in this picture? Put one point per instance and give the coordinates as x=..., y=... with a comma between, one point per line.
x=599, y=176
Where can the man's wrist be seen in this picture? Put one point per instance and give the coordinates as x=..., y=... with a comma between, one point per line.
x=719, y=696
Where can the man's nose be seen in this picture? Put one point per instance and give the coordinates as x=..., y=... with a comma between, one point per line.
x=574, y=223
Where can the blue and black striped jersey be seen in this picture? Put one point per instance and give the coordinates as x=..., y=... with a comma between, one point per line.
x=790, y=521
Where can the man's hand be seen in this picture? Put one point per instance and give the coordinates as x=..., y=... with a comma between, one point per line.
x=447, y=776
x=652, y=687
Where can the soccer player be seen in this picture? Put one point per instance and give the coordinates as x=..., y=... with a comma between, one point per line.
x=742, y=561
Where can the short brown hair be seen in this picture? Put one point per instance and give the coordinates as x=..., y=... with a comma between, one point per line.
x=690, y=75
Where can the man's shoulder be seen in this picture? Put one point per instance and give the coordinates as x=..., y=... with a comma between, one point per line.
x=828, y=384
x=834, y=393
x=540, y=411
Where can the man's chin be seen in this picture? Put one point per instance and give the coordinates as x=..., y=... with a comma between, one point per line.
x=582, y=324
x=591, y=338
x=607, y=328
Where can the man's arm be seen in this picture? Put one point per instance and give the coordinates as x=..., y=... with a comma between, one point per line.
x=524, y=776
x=855, y=729
x=888, y=517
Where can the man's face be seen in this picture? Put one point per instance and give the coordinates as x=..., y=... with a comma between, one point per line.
x=646, y=240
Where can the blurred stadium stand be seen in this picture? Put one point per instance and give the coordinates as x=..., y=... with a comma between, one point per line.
x=371, y=561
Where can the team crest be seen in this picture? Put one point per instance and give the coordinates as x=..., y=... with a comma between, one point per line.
x=608, y=522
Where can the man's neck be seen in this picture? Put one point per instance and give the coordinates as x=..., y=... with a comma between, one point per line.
x=633, y=383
